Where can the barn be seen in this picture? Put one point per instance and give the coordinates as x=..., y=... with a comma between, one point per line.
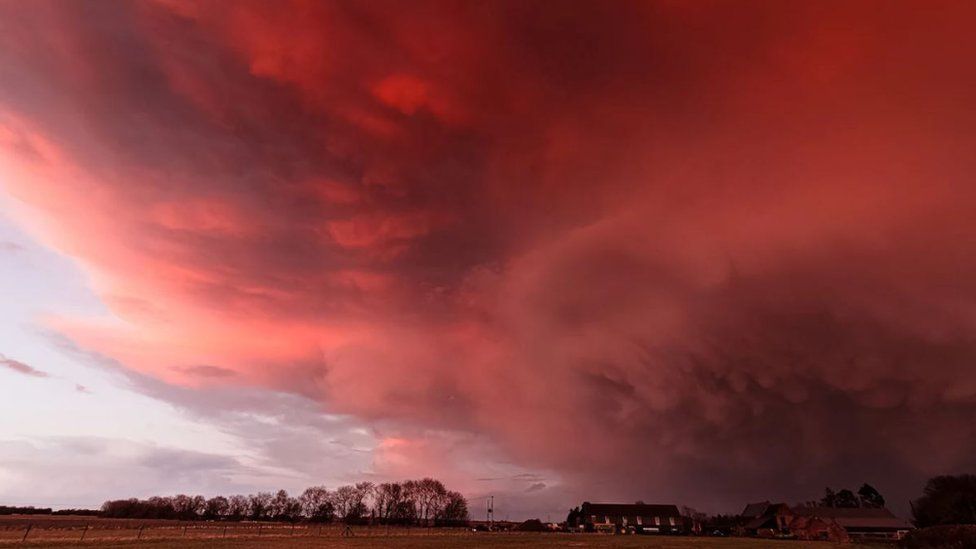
x=843, y=523
x=766, y=519
x=637, y=518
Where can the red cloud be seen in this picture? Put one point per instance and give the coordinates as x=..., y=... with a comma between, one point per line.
x=622, y=242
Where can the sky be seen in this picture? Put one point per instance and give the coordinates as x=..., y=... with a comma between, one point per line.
x=694, y=252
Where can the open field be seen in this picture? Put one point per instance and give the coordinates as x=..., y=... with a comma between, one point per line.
x=468, y=541
x=67, y=532
x=65, y=529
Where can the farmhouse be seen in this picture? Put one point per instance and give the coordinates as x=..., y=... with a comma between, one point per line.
x=843, y=524
x=766, y=519
x=638, y=518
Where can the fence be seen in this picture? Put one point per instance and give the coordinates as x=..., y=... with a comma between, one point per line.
x=79, y=529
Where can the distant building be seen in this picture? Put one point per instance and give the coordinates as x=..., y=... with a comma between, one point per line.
x=638, y=518
x=843, y=523
x=766, y=519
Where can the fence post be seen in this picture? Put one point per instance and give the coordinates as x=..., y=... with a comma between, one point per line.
x=259, y=529
x=224, y=535
x=27, y=533
x=185, y=526
x=83, y=532
x=139, y=536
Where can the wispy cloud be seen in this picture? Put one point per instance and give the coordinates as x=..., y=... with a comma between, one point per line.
x=206, y=370
x=20, y=367
x=7, y=246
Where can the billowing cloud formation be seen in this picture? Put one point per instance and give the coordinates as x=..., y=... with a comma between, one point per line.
x=704, y=252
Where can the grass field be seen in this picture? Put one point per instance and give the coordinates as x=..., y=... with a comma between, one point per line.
x=66, y=533
x=472, y=541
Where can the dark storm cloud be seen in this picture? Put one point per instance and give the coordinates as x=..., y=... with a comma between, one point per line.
x=728, y=246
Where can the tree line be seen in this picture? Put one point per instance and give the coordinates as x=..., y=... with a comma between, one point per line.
x=31, y=510
x=423, y=502
x=866, y=496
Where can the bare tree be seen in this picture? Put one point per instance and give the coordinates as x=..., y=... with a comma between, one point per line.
x=216, y=508
x=317, y=505
x=412, y=499
x=238, y=507
x=362, y=497
x=189, y=507
x=344, y=498
x=260, y=504
x=430, y=498
x=283, y=507
x=393, y=503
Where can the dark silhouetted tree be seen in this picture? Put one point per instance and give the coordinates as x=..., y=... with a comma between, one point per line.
x=841, y=498
x=946, y=500
x=454, y=510
x=344, y=497
x=573, y=515
x=239, y=507
x=259, y=505
x=216, y=508
x=317, y=504
x=829, y=499
x=870, y=497
x=284, y=507
x=846, y=498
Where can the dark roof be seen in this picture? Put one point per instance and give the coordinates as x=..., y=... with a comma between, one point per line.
x=630, y=510
x=857, y=517
x=769, y=512
x=756, y=509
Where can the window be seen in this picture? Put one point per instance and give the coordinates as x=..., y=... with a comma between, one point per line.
x=671, y=521
x=657, y=521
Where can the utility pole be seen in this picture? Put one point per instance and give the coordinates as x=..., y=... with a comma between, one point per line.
x=491, y=513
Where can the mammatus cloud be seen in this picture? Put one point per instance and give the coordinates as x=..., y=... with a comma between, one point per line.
x=728, y=248
x=20, y=367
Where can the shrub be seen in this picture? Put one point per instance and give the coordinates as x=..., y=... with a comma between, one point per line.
x=531, y=525
x=942, y=537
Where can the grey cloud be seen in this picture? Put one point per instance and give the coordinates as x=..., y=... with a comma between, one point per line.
x=20, y=367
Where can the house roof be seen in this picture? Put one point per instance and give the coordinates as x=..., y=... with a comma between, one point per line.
x=756, y=509
x=767, y=514
x=857, y=517
x=630, y=510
